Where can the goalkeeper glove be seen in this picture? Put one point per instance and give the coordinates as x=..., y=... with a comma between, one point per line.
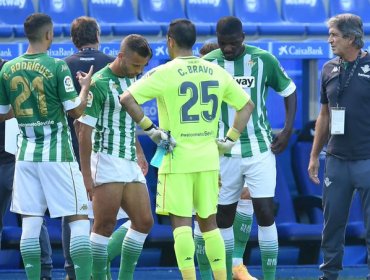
x=152, y=130
x=225, y=145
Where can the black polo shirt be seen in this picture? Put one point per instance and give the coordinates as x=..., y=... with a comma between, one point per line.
x=355, y=143
x=82, y=61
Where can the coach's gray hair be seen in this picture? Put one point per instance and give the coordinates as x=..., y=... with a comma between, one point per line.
x=350, y=26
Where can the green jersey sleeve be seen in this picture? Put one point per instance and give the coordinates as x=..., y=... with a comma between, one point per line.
x=94, y=105
x=277, y=78
x=66, y=90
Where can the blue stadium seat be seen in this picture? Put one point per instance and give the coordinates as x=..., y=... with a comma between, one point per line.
x=301, y=155
x=290, y=230
x=206, y=14
x=309, y=13
x=119, y=17
x=264, y=15
x=160, y=12
x=63, y=12
x=357, y=7
x=10, y=259
x=12, y=230
x=13, y=14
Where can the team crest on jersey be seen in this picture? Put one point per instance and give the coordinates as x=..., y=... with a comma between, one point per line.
x=68, y=84
x=90, y=98
x=250, y=63
x=245, y=81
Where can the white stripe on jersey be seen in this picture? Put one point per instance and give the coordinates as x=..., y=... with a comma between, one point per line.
x=31, y=145
x=47, y=142
x=59, y=142
x=116, y=116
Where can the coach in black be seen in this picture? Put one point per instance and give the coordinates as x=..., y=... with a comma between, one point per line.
x=344, y=121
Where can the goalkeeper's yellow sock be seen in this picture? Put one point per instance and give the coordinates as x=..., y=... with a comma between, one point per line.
x=184, y=250
x=215, y=250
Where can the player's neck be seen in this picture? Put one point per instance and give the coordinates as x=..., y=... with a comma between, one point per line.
x=36, y=48
x=181, y=53
x=89, y=47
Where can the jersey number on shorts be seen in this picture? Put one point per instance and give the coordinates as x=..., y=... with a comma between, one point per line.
x=27, y=87
x=205, y=98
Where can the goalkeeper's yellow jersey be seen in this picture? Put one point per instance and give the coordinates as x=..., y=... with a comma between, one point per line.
x=190, y=92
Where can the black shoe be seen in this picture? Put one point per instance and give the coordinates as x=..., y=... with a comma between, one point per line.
x=323, y=278
x=45, y=278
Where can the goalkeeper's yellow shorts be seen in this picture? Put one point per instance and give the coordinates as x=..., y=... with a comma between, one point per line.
x=180, y=193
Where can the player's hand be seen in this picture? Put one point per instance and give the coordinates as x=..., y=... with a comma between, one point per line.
x=89, y=185
x=224, y=145
x=313, y=170
x=280, y=141
x=172, y=144
x=156, y=134
x=142, y=162
x=85, y=78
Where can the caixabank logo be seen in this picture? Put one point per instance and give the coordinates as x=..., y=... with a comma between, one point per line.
x=9, y=51
x=301, y=50
x=61, y=50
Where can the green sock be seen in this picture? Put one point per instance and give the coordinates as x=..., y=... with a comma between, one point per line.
x=31, y=254
x=99, y=246
x=132, y=246
x=203, y=263
x=215, y=250
x=269, y=250
x=228, y=236
x=115, y=244
x=80, y=249
x=242, y=229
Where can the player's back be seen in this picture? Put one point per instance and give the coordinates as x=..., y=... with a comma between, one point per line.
x=189, y=93
x=37, y=87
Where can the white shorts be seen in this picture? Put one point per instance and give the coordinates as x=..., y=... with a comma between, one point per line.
x=111, y=169
x=257, y=172
x=55, y=185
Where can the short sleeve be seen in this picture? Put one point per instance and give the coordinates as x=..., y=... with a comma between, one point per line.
x=94, y=106
x=66, y=90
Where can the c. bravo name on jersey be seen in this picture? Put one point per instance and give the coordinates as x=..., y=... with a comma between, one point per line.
x=192, y=69
x=31, y=66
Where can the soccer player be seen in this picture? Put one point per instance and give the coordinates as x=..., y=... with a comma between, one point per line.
x=85, y=35
x=189, y=93
x=40, y=91
x=111, y=173
x=252, y=159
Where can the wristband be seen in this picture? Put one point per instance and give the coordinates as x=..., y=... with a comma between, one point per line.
x=233, y=134
x=145, y=123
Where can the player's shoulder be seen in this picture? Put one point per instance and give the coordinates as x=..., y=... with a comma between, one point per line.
x=213, y=55
x=260, y=53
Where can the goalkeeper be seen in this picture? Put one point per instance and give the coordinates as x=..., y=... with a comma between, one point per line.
x=189, y=93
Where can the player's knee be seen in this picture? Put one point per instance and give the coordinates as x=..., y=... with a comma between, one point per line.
x=225, y=215
x=105, y=227
x=144, y=224
x=264, y=211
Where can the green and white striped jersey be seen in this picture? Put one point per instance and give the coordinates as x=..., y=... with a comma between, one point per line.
x=114, y=128
x=40, y=91
x=255, y=70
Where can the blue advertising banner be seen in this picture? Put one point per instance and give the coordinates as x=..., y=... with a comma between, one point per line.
x=301, y=50
x=9, y=51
